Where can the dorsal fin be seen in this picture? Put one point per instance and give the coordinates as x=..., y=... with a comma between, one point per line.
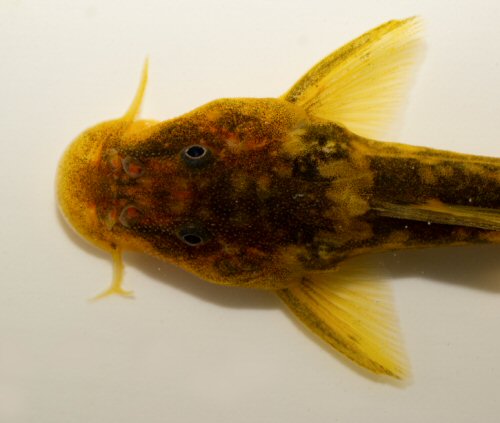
x=363, y=84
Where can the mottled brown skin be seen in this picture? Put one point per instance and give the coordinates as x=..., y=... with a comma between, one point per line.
x=407, y=176
x=277, y=196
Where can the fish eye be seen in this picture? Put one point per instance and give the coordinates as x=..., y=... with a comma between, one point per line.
x=196, y=155
x=192, y=239
x=196, y=152
x=193, y=235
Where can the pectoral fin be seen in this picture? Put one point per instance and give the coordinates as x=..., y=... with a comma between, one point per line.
x=438, y=212
x=363, y=84
x=352, y=314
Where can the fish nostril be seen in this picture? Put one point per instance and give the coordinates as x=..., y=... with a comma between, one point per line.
x=132, y=167
x=129, y=216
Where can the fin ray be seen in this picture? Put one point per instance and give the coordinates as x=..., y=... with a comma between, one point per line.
x=354, y=315
x=362, y=84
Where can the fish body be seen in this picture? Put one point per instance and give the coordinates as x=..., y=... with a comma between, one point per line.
x=279, y=194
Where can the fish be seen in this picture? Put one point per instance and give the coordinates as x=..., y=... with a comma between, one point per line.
x=284, y=194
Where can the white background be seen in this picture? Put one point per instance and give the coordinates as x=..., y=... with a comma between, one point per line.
x=184, y=350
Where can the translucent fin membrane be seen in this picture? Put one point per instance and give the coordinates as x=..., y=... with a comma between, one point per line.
x=363, y=84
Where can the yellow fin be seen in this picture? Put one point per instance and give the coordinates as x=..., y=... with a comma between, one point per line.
x=362, y=85
x=354, y=315
x=438, y=212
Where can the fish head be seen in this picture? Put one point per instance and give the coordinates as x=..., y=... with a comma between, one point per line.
x=213, y=194
x=211, y=191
